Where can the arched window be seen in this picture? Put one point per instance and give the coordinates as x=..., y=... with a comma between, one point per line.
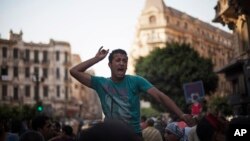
x=152, y=19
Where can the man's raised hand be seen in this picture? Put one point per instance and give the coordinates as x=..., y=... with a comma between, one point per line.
x=102, y=53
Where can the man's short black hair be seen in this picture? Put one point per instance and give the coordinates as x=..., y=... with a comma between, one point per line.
x=143, y=118
x=116, y=51
x=150, y=122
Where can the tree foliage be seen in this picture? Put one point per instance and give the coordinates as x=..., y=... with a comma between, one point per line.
x=150, y=112
x=170, y=67
x=220, y=105
x=17, y=112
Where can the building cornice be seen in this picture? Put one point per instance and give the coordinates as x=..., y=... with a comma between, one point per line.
x=9, y=42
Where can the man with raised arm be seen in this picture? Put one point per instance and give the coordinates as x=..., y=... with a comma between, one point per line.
x=119, y=94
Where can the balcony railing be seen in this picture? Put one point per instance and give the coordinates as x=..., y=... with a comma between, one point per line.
x=5, y=78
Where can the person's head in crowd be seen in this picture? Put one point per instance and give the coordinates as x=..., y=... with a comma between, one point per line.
x=209, y=129
x=56, y=128
x=31, y=136
x=173, y=132
x=143, y=122
x=110, y=130
x=16, y=126
x=67, y=130
x=2, y=132
x=143, y=118
x=150, y=122
x=42, y=124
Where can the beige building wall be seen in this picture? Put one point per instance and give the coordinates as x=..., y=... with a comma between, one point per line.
x=59, y=92
x=159, y=24
x=87, y=98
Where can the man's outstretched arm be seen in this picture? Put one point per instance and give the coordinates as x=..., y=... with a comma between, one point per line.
x=170, y=104
x=78, y=71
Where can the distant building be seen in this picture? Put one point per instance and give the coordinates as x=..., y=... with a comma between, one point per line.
x=159, y=24
x=87, y=99
x=33, y=72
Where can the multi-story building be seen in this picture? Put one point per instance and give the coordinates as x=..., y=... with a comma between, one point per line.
x=32, y=72
x=159, y=24
x=236, y=15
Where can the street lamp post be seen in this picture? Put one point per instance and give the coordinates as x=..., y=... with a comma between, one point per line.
x=39, y=104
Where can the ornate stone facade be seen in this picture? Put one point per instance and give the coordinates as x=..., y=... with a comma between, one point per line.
x=159, y=24
x=236, y=15
x=33, y=72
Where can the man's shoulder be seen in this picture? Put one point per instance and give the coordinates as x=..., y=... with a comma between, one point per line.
x=98, y=77
x=133, y=76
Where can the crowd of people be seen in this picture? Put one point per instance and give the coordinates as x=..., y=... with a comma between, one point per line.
x=208, y=127
x=205, y=129
x=40, y=128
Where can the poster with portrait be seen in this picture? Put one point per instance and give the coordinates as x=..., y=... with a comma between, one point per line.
x=193, y=91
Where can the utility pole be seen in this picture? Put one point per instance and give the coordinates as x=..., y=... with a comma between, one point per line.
x=39, y=103
x=36, y=79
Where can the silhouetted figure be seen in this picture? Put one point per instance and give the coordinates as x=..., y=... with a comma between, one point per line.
x=209, y=128
x=67, y=134
x=43, y=125
x=143, y=122
x=57, y=128
x=150, y=133
x=110, y=130
x=2, y=132
x=173, y=132
x=31, y=136
x=13, y=130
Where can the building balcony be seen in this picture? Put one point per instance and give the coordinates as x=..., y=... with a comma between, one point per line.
x=4, y=61
x=27, y=61
x=5, y=78
x=45, y=62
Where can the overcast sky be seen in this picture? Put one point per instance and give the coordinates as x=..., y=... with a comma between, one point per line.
x=87, y=24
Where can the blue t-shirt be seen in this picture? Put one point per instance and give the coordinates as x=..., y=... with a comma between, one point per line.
x=121, y=100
